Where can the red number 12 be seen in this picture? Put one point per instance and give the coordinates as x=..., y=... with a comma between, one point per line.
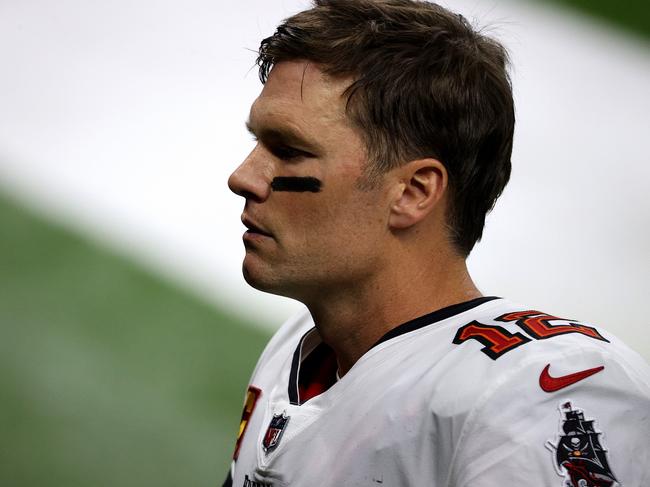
x=498, y=340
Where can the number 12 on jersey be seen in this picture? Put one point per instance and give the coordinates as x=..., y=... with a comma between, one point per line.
x=498, y=340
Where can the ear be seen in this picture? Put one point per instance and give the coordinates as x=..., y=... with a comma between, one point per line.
x=422, y=184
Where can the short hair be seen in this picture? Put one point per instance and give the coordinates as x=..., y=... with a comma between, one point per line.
x=425, y=84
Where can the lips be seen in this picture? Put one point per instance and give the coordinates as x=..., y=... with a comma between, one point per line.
x=254, y=228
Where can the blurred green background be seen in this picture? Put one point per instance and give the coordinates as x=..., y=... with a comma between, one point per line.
x=628, y=15
x=111, y=376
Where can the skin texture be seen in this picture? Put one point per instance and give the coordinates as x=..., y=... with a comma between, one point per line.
x=362, y=260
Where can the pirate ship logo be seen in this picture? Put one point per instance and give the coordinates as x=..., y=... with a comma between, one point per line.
x=579, y=456
x=274, y=431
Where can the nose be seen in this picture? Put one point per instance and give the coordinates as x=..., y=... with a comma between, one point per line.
x=252, y=179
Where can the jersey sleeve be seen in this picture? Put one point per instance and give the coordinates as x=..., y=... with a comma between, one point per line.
x=578, y=419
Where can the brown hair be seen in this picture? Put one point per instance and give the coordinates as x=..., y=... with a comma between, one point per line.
x=426, y=84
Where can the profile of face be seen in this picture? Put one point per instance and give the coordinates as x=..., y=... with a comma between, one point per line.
x=312, y=228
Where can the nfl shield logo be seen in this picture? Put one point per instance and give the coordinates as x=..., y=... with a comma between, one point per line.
x=274, y=431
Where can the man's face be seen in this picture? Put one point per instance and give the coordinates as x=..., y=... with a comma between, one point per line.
x=305, y=244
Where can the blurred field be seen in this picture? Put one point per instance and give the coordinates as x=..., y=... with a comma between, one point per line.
x=110, y=377
x=630, y=15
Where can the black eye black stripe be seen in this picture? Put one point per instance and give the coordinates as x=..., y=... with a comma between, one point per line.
x=297, y=184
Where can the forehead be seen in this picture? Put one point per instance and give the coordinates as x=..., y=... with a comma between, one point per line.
x=299, y=93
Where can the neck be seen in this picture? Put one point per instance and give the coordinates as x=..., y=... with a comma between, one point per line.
x=352, y=320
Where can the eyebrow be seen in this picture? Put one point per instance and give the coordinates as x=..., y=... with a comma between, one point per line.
x=282, y=135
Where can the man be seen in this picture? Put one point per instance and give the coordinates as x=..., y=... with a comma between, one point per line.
x=384, y=133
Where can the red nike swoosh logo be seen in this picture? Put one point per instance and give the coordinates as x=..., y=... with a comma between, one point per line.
x=552, y=384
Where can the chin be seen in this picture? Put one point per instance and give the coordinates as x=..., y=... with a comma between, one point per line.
x=253, y=281
x=269, y=282
x=259, y=280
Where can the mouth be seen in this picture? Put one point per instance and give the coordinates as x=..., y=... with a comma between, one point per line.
x=253, y=228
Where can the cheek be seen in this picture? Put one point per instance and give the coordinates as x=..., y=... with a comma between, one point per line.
x=343, y=226
x=337, y=217
x=311, y=224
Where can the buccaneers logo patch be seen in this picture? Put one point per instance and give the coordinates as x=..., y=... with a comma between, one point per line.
x=274, y=431
x=579, y=456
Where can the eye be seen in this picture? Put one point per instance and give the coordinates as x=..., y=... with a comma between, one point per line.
x=287, y=153
x=281, y=150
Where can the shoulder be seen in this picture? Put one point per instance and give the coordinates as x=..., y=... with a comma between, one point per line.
x=503, y=339
x=456, y=359
x=516, y=368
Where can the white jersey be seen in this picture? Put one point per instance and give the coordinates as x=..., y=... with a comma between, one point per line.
x=484, y=393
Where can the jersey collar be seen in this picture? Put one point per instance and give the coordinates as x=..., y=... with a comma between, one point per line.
x=311, y=339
